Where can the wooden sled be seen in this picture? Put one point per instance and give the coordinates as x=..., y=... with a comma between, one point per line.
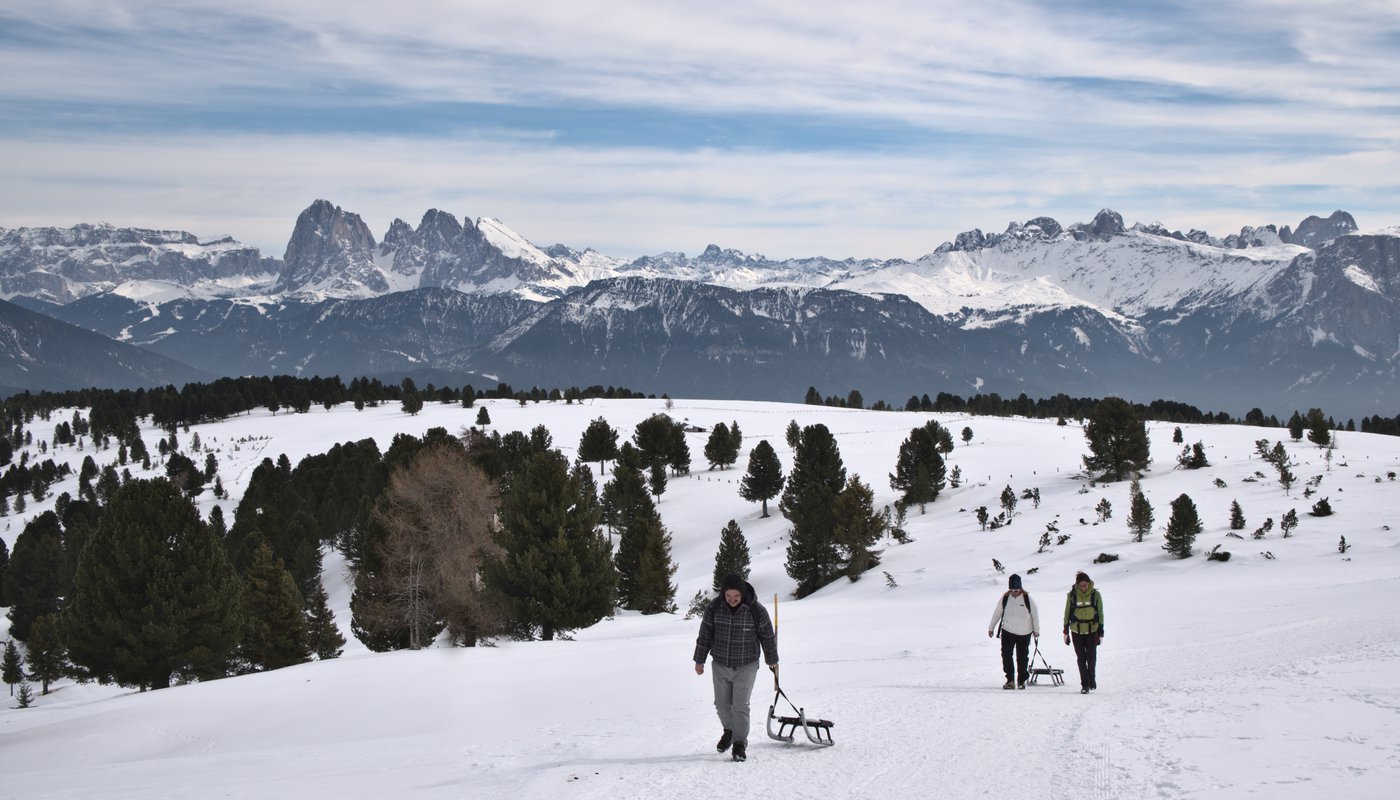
x=818, y=731
x=1057, y=676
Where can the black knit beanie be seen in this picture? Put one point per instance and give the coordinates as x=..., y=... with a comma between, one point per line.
x=1014, y=582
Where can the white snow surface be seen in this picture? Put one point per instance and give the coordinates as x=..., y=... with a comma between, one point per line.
x=1256, y=677
x=510, y=243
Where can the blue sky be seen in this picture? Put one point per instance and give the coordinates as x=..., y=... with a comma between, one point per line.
x=878, y=129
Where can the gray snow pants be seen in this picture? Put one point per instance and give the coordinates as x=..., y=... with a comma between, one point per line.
x=733, y=688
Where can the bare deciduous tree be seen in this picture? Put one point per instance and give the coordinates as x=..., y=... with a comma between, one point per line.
x=436, y=513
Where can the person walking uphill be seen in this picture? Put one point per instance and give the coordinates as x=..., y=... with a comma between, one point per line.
x=733, y=630
x=1015, y=619
x=1084, y=623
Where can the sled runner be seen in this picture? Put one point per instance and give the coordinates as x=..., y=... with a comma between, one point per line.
x=1057, y=676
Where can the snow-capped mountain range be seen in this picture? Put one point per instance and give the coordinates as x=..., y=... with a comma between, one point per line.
x=1270, y=317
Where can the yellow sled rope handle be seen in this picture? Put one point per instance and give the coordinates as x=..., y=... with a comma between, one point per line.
x=775, y=637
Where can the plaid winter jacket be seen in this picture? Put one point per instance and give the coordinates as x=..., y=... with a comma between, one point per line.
x=734, y=635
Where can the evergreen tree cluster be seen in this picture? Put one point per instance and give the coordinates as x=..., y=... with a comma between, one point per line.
x=722, y=448
x=834, y=524
x=1117, y=437
x=481, y=536
x=920, y=473
x=114, y=412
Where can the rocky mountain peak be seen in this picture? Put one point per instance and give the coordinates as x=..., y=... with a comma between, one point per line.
x=330, y=248
x=1107, y=223
x=1315, y=231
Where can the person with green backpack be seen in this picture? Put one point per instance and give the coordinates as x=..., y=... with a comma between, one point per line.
x=1084, y=626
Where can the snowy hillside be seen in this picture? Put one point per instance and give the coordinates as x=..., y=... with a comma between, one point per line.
x=1263, y=676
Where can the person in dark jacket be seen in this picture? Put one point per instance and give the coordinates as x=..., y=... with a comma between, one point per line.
x=1084, y=624
x=733, y=630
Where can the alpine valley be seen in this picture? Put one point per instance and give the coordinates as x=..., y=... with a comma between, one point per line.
x=1271, y=318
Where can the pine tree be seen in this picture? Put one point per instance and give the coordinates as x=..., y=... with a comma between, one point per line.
x=1237, y=522
x=1118, y=444
x=48, y=658
x=1319, y=431
x=732, y=558
x=274, y=628
x=1008, y=501
x=857, y=527
x=1193, y=457
x=1182, y=528
x=323, y=635
x=717, y=447
x=656, y=479
x=654, y=438
x=653, y=592
x=483, y=417
x=12, y=671
x=635, y=515
x=1295, y=426
x=809, y=501
x=39, y=574
x=4, y=554
x=625, y=496
x=764, y=478
x=154, y=596
x=598, y=443
x=919, y=471
x=1140, y=514
x=1104, y=509
x=679, y=451
x=554, y=571
x=792, y=435
x=1288, y=522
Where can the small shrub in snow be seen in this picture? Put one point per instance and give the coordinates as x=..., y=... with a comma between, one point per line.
x=698, y=604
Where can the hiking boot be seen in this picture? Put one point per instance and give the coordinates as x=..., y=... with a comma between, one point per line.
x=741, y=751
x=724, y=740
x=1008, y=685
x=1093, y=686
x=1021, y=685
x=1084, y=690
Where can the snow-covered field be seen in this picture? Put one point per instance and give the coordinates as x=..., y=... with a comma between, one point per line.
x=1259, y=677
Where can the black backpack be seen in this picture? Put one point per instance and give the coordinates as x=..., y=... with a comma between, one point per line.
x=1025, y=598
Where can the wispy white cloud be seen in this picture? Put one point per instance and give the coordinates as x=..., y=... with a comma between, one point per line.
x=879, y=128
